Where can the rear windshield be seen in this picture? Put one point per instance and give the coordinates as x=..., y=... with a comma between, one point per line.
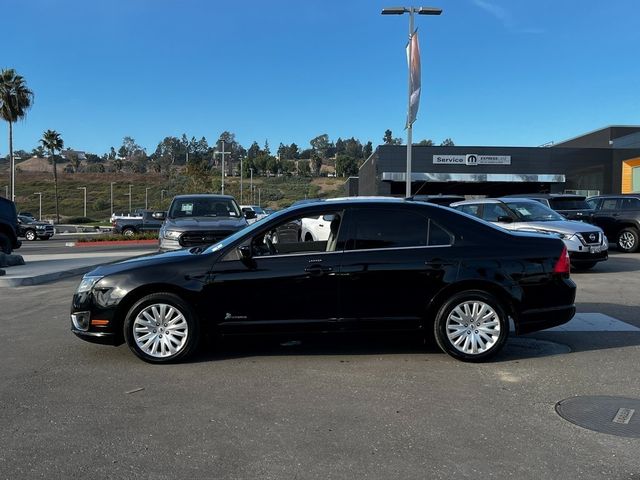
x=204, y=207
x=568, y=204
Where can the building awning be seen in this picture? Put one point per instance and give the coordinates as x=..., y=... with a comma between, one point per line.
x=475, y=177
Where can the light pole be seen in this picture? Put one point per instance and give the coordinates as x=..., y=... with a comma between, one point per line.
x=112, y=183
x=162, y=192
x=13, y=176
x=411, y=11
x=85, y=200
x=241, y=158
x=222, y=153
x=40, y=202
x=251, y=185
x=146, y=198
x=129, y=198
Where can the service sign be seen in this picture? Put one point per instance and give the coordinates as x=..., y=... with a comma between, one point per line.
x=472, y=159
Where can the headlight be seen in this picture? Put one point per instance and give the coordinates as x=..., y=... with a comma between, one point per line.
x=87, y=283
x=565, y=236
x=40, y=227
x=172, y=234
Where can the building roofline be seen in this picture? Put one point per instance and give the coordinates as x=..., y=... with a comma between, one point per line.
x=595, y=131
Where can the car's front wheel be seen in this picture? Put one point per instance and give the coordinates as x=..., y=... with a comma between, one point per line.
x=471, y=326
x=30, y=235
x=161, y=328
x=628, y=240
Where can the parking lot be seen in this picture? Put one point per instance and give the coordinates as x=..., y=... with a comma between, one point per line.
x=328, y=407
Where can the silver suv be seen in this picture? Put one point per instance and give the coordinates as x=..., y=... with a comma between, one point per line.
x=587, y=244
x=199, y=220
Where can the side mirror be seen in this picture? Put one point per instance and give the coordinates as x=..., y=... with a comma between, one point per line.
x=159, y=215
x=505, y=219
x=245, y=252
x=249, y=214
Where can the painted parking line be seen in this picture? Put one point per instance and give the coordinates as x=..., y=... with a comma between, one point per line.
x=594, y=322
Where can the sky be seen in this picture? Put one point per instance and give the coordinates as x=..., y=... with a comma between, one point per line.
x=494, y=72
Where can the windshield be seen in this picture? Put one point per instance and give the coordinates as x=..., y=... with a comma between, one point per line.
x=533, y=212
x=204, y=207
x=245, y=231
x=258, y=210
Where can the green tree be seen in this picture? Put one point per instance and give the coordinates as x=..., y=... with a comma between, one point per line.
x=15, y=100
x=52, y=142
x=367, y=150
x=426, y=143
x=346, y=166
x=447, y=142
x=320, y=145
x=388, y=137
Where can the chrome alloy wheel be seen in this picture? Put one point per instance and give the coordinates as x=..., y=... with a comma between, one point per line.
x=627, y=240
x=473, y=327
x=160, y=330
x=30, y=235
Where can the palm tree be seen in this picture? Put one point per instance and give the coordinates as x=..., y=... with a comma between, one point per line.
x=52, y=141
x=15, y=100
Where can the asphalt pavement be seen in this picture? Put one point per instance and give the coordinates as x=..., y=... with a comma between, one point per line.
x=319, y=408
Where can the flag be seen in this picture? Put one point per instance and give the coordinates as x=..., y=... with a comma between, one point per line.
x=413, y=60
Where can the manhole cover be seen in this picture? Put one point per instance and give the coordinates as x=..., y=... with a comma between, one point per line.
x=613, y=415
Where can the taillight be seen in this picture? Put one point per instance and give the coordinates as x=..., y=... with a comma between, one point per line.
x=563, y=265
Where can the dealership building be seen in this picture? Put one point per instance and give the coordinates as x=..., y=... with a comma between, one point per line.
x=603, y=161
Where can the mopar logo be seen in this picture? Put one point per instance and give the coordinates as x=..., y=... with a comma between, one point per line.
x=471, y=159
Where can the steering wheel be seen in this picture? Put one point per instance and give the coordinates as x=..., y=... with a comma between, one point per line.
x=269, y=244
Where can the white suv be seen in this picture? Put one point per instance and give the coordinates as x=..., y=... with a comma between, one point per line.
x=316, y=229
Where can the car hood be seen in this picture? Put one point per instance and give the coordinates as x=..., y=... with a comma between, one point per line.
x=560, y=226
x=146, y=261
x=205, y=223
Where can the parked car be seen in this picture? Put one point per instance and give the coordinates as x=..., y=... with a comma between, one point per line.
x=200, y=220
x=257, y=211
x=619, y=217
x=570, y=206
x=587, y=244
x=388, y=265
x=32, y=229
x=148, y=221
x=316, y=229
x=8, y=226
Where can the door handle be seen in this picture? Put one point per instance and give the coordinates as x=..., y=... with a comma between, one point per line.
x=317, y=270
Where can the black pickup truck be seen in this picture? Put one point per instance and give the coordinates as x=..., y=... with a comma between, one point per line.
x=8, y=226
x=149, y=222
x=619, y=217
x=32, y=229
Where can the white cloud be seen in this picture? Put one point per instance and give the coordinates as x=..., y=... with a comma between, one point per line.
x=505, y=17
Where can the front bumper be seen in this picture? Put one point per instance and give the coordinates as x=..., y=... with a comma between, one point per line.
x=103, y=338
x=579, y=252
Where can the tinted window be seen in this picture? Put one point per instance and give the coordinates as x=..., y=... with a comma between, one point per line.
x=492, y=211
x=593, y=203
x=438, y=235
x=610, y=204
x=388, y=229
x=568, y=204
x=630, y=204
x=204, y=207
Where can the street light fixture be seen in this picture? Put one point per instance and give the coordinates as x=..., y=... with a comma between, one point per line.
x=130, y=198
x=39, y=214
x=411, y=11
x=85, y=200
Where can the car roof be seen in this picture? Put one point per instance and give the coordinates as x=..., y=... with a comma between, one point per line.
x=616, y=195
x=493, y=200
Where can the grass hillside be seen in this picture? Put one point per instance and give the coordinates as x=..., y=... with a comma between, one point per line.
x=275, y=192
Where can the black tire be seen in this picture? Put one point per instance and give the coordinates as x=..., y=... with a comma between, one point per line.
x=583, y=266
x=628, y=240
x=308, y=237
x=30, y=235
x=128, y=232
x=176, y=339
x=5, y=244
x=458, y=338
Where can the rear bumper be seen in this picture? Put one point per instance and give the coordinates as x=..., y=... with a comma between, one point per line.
x=542, y=318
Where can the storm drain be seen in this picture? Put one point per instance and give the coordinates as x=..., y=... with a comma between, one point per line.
x=613, y=415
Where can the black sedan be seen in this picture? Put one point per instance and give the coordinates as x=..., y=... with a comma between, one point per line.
x=387, y=265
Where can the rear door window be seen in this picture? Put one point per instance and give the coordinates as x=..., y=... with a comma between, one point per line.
x=610, y=204
x=378, y=228
x=630, y=204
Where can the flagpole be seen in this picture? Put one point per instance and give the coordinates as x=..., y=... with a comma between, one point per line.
x=409, y=122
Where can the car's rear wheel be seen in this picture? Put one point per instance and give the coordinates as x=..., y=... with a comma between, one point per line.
x=128, y=232
x=5, y=244
x=30, y=235
x=471, y=326
x=161, y=328
x=628, y=240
